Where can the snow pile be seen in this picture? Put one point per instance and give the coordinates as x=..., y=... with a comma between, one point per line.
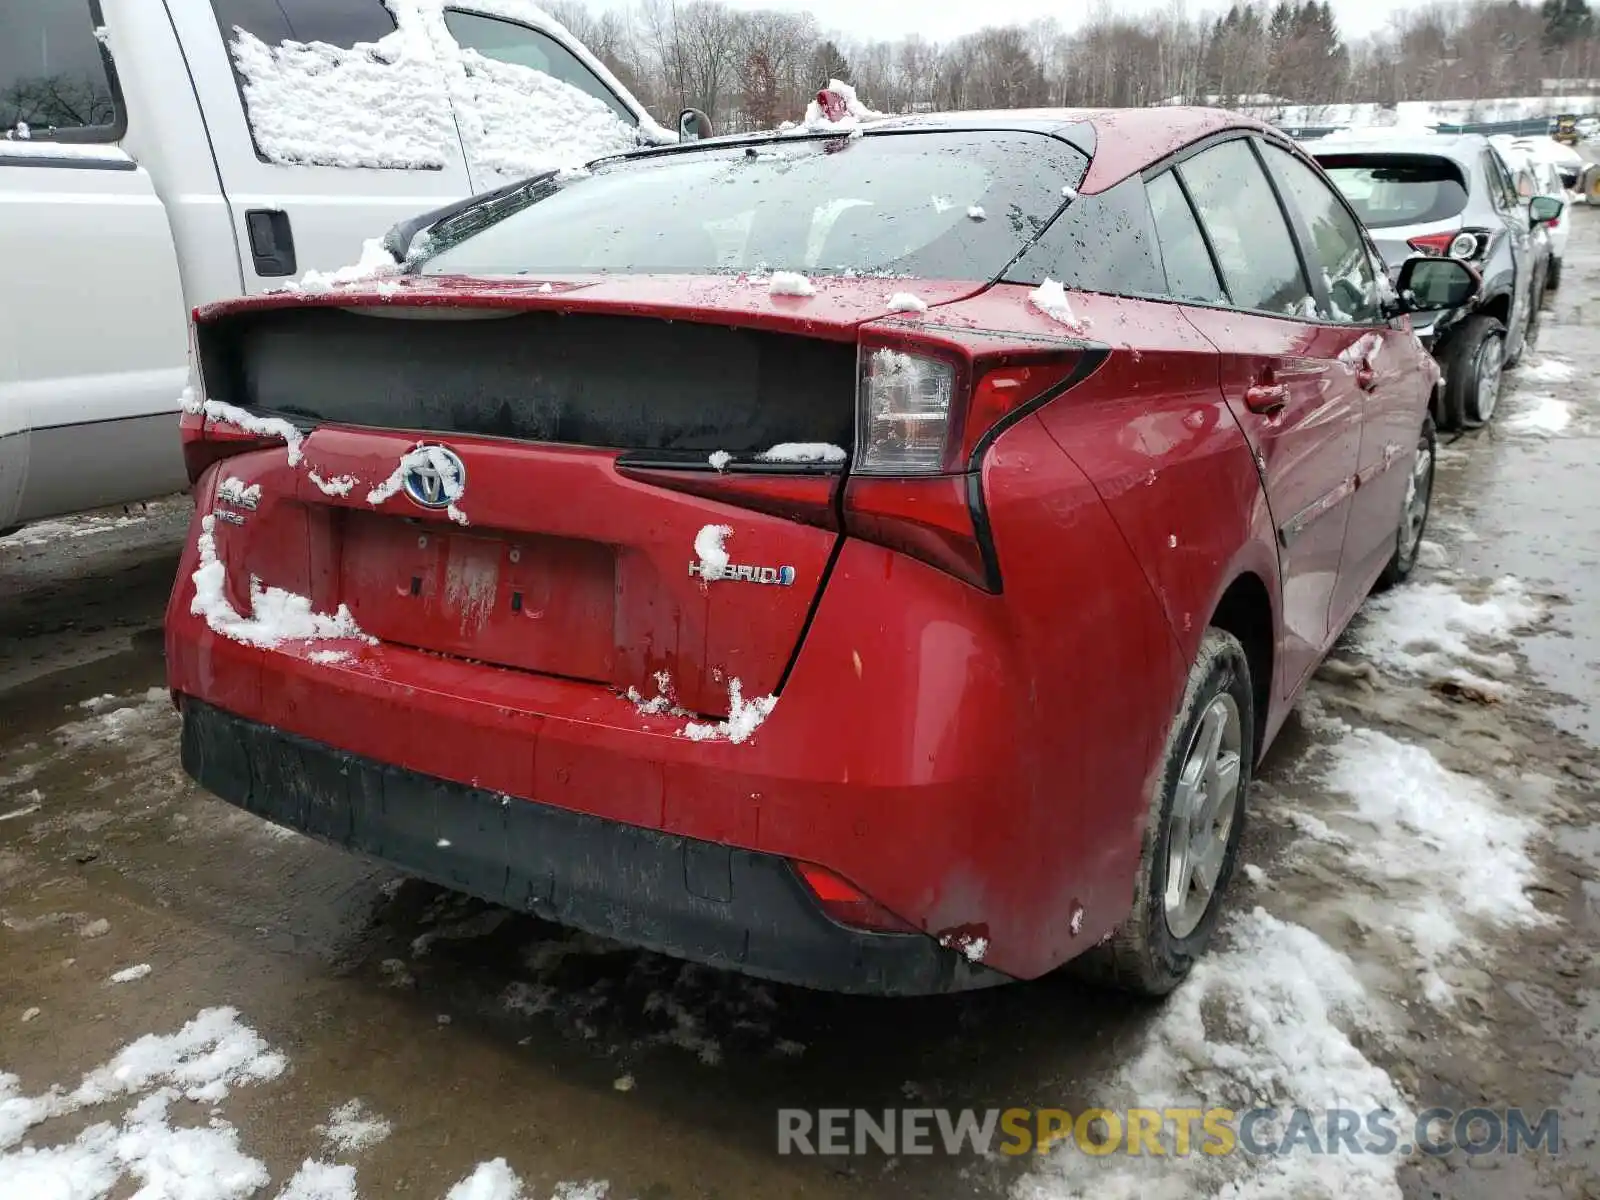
x=790, y=283
x=1546, y=370
x=1050, y=298
x=339, y=485
x=976, y=213
x=906, y=302
x=268, y=427
x=663, y=704
x=129, y=974
x=1265, y=1022
x=276, y=616
x=236, y=492
x=711, y=547
x=378, y=104
x=1440, y=848
x=837, y=109
x=1419, y=628
x=352, y=1126
x=804, y=452
x=744, y=718
x=491, y=1181
x=433, y=458
x=375, y=263
x=1070, y=193
x=321, y=1181
x=719, y=459
x=1547, y=415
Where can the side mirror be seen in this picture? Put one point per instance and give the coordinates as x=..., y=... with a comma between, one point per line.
x=693, y=125
x=1436, y=284
x=1544, y=209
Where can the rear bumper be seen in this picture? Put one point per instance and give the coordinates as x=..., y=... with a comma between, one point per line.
x=710, y=903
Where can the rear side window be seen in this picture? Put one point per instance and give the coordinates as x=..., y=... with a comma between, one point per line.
x=1337, y=248
x=56, y=81
x=340, y=23
x=1102, y=243
x=509, y=42
x=1190, y=273
x=939, y=205
x=1237, y=206
x=1398, y=189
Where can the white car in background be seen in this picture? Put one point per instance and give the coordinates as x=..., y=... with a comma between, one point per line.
x=158, y=155
x=1537, y=164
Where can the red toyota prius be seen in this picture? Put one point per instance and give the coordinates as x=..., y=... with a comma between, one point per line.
x=874, y=561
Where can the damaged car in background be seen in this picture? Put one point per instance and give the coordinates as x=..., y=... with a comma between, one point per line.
x=872, y=556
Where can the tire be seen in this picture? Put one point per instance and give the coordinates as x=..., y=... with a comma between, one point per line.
x=1552, y=279
x=1154, y=949
x=1414, y=510
x=1461, y=359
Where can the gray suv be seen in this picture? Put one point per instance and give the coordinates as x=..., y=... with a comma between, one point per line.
x=1453, y=196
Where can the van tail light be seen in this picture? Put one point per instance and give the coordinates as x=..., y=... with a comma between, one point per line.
x=847, y=904
x=924, y=413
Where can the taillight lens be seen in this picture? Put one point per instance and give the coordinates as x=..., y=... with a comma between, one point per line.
x=848, y=904
x=905, y=405
x=1465, y=244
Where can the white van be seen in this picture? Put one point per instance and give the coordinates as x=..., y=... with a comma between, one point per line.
x=156, y=155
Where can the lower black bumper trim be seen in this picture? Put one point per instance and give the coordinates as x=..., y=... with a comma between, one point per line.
x=709, y=903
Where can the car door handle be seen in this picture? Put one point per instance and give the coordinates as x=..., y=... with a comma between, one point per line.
x=1266, y=398
x=1366, y=379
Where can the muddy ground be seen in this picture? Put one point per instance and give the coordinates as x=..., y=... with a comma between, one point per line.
x=478, y=1033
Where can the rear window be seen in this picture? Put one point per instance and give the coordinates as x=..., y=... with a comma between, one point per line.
x=1387, y=190
x=937, y=205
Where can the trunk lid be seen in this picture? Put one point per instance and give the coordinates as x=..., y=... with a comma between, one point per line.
x=562, y=511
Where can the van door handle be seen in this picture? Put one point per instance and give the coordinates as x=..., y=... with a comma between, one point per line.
x=271, y=242
x=1266, y=398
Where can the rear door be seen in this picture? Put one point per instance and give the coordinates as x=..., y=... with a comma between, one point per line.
x=1385, y=363
x=1281, y=374
x=93, y=341
x=319, y=147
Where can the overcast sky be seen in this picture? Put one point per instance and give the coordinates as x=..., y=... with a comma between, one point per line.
x=941, y=20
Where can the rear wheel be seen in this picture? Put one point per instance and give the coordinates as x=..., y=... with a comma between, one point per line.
x=1413, y=510
x=1472, y=360
x=1191, y=840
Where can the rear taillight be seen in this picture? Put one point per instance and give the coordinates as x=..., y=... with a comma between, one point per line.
x=1465, y=244
x=847, y=904
x=924, y=413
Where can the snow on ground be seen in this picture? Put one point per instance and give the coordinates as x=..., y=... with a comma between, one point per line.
x=129, y=974
x=1545, y=414
x=352, y=1126
x=1545, y=370
x=157, y=1147
x=1420, y=628
x=1270, y=1019
x=276, y=616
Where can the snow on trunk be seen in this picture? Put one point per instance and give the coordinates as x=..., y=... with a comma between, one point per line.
x=804, y=452
x=744, y=718
x=431, y=458
x=269, y=427
x=907, y=303
x=1050, y=298
x=276, y=616
x=711, y=547
x=790, y=283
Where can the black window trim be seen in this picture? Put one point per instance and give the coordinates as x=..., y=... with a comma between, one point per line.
x=226, y=33
x=1305, y=241
x=637, y=114
x=87, y=134
x=1176, y=160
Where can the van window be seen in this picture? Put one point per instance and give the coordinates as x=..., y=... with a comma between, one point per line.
x=56, y=81
x=340, y=23
x=510, y=42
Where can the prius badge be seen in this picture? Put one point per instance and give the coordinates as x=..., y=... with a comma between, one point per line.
x=434, y=476
x=742, y=573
